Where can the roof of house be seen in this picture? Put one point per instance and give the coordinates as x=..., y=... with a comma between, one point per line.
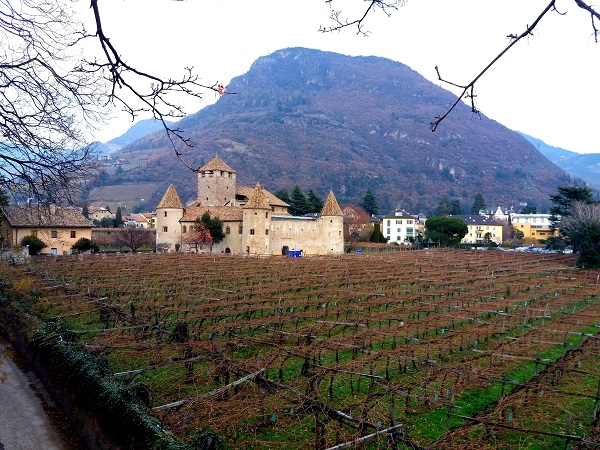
x=331, y=206
x=477, y=219
x=170, y=199
x=224, y=213
x=246, y=191
x=400, y=214
x=257, y=199
x=216, y=164
x=45, y=217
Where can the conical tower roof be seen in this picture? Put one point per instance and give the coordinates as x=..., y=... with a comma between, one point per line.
x=331, y=206
x=170, y=199
x=216, y=164
x=258, y=199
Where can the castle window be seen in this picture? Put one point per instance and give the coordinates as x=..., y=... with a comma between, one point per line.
x=241, y=229
x=267, y=232
x=54, y=234
x=165, y=229
x=266, y=215
x=251, y=231
x=221, y=173
x=184, y=229
x=227, y=230
x=73, y=234
x=165, y=213
x=229, y=173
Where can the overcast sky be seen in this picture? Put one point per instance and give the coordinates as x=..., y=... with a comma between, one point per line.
x=546, y=86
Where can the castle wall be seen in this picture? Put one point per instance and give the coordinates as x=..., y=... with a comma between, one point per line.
x=320, y=236
x=233, y=239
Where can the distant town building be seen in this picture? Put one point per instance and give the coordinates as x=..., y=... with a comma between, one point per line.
x=255, y=222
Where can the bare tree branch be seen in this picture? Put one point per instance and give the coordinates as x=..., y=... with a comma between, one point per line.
x=468, y=90
x=156, y=100
x=387, y=7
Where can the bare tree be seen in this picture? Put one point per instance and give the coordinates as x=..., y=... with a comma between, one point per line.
x=468, y=89
x=134, y=238
x=52, y=98
x=582, y=227
x=47, y=100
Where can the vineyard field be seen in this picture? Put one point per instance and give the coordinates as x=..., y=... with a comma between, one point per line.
x=427, y=349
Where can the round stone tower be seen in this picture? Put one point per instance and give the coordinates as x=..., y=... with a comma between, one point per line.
x=257, y=218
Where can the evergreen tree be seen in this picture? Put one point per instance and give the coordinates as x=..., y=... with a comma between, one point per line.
x=455, y=208
x=447, y=231
x=299, y=203
x=3, y=198
x=316, y=202
x=215, y=227
x=282, y=194
x=86, y=212
x=566, y=196
x=35, y=244
x=369, y=203
x=118, y=218
x=478, y=204
x=529, y=209
x=376, y=237
x=443, y=208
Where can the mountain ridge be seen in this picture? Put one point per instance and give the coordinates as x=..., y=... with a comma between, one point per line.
x=329, y=121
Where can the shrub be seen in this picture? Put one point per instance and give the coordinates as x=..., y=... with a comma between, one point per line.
x=35, y=244
x=85, y=244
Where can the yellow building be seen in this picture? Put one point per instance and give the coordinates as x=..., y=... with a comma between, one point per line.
x=58, y=227
x=479, y=227
x=534, y=226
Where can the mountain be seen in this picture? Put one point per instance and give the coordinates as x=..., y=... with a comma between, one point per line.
x=584, y=166
x=137, y=131
x=326, y=121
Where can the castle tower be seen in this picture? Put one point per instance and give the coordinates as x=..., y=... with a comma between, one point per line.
x=256, y=221
x=168, y=213
x=216, y=183
x=332, y=219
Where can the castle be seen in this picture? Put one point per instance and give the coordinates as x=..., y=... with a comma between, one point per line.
x=255, y=222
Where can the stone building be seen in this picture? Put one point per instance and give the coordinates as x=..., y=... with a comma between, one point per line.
x=254, y=220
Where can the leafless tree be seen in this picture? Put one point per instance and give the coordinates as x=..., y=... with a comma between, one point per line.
x=46, y=100
x=468, y=89
x=51, y=97
x=134, y=238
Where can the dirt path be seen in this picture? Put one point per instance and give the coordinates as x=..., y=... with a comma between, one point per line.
x=28, y=419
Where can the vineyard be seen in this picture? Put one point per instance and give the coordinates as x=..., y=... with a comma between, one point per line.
x=434, y=349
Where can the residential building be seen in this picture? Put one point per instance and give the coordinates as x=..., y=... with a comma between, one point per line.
x=254, y=220
x=535, y=226
x=400, y=227
x=58, y=227
x=480, y=229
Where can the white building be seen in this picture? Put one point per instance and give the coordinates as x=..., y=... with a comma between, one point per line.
x=400, y=227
